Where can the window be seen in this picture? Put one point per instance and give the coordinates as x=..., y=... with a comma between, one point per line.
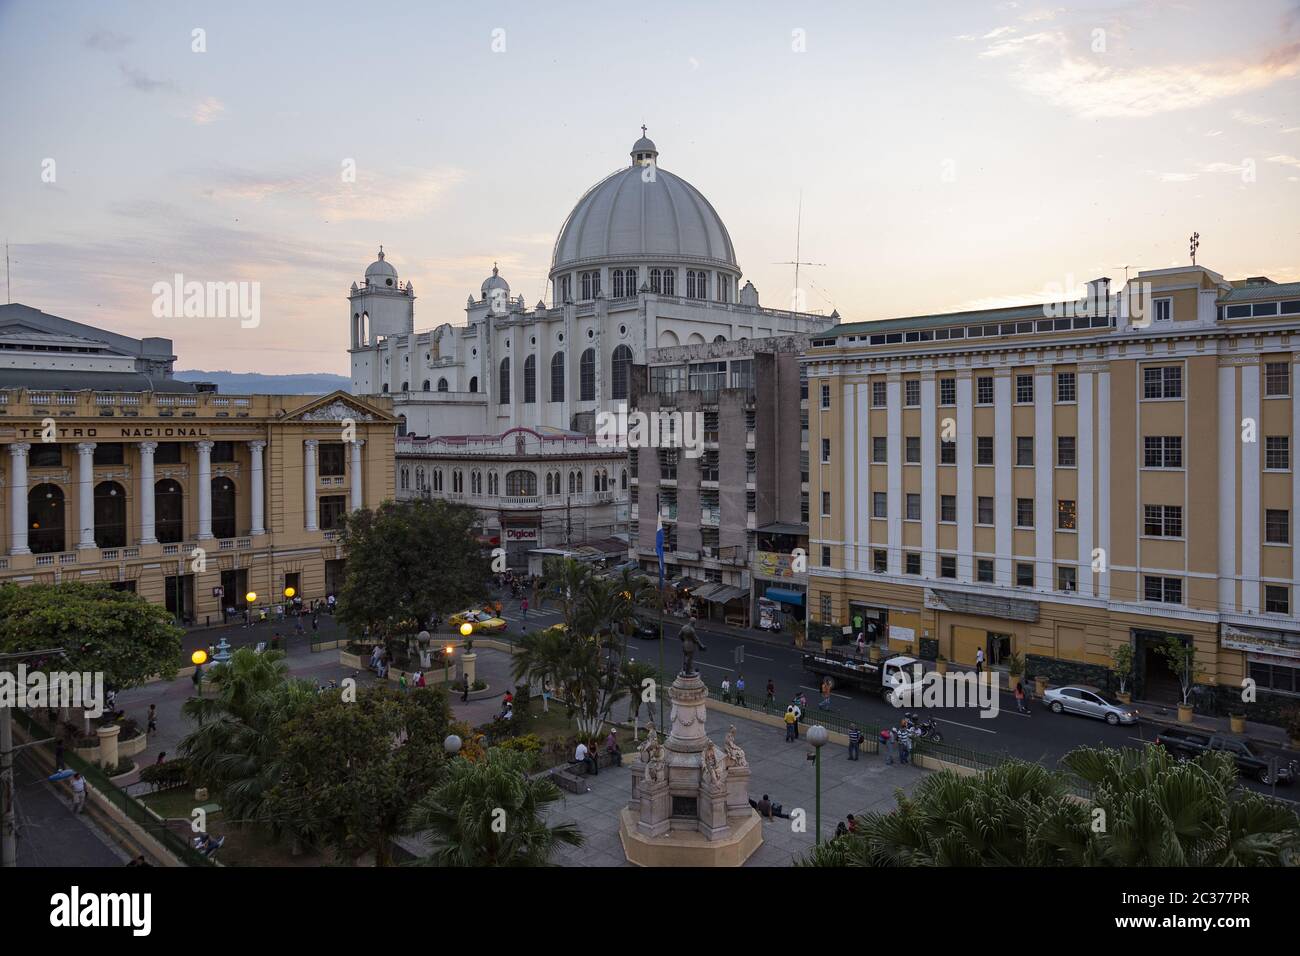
x=826, y=502
x=984, y=511
x=1066, y=516
x=1067, y=579
x=947, y=507
x=912, y=392
x=826, y=608
x=1025, y=451
x=984, y=571
x=1024, y=575
x=826, y=451
x=521, y=483
x=1275, y=676
x=1277, y=599
x=803, y=507
x=1024, y=512
x=1065, y=453
x=1163, y=451
x=913, y=507
x=109, y=504
x=984, y=390
x=947, y=452
x=879, y=504
x=879, y=561
x=826, y=396
x=503, y=383
x=442, y=385
x=879, y=450
x=587, y=376
x=984, y=450
x=115, y=454
x=223, y=451
x=620, y=367
x=1066, y=388
x=473, y=383
x=1277, y=379
x=331, y=459
x=1162, y=590
x=913, y=456
x=913, y=563
x=879, y=395
x=947, y=566
x=826, y=552
x=1277, y=526
x=169, y=511
x=530, y=380
x=947, y=391
x=1164, y=310
x=557, y=377
x=697, y=284
x=1277, y=452
x=1162, y=381
x=1024, y=389
x=1163, y=521
x=332, y=508
x=168, y=453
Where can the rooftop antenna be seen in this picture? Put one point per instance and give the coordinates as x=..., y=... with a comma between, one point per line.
x=1194, y=243
x=1125, y=268
x=9, y=298
x=797, y=261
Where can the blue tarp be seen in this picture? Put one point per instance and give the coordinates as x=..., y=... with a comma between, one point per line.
x=785, y=597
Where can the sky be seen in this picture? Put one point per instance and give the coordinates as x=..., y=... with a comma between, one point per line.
x=948, y=155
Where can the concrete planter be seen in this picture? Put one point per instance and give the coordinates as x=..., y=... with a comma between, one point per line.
x=941, y=666
x=874, y=652
x=1185, y=713
x=1124, y=697
x=1237, y=722
x=351, y=660
x=1040, y=686
x=122, y=781
x=136, y=745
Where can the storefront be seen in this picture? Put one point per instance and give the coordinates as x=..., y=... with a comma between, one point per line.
x=519, y=539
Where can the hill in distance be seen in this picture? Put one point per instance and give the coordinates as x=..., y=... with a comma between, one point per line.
x=255, y=383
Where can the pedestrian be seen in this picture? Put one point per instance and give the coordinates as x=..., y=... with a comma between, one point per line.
x=611, y=747
x=584, y=756
x=401, y=682
x=464, y=695
x=979, y=660
x=196, y=677
x=798, y=715
x=546, y=696
x=890, y=738
x=790, y=724
x=740, y=690
x=524, y=605
x=826, y=694
x=58, y=755
x=78, y=793
x=840, y=830
x=162, y=758
x=726, y=691
x=1029, y=699
x=297, y=625
x=771, y=693
x=904, y=747
x=855, y=741
x=1020, y=697
x=419, y=679
x=315, y=622
x=862, y=643
x=152, y=726
x=853, y=823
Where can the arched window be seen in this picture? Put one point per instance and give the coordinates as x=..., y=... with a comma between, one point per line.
x=521, y=482
x=587, y=376
x=401, y=425
x=630, y=277
x=579, y=482
x=223, y=508
x=586, y=285
x=110, y=515
x=557, y=377
x=406, y=386
x=45, y=509
x=690, y=283
x=669, y=282
x=623, y=480
x=550, y=490
x=168, y=511
x=419, y=478
x=656, y=280
x=620, y=367
x=425, y=387
x=437, y=479
x=385, y=389
x=405, y=481
x=617, y=278
x=503, y=385
x=442, y=385
x=530, y=380
x=473, y=384
x=573, y=483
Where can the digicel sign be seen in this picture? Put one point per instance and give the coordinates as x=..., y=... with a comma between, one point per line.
x=521, y=534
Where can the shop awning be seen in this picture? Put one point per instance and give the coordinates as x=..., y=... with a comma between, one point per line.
x=959, y=602
x=784, y=596
x=722, y=594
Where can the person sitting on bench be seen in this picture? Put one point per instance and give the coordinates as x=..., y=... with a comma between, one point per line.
x=584, y=756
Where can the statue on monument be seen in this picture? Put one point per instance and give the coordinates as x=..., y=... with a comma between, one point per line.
x=652, y=755
x=691, y=644
x=712, y=772
x=734, y=755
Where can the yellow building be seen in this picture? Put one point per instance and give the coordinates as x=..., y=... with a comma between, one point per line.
x=1060, y=480
x=191, y=499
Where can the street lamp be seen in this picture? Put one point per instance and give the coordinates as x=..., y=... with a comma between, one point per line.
x=451, y=746
x=817, y=736
x=447, y=668
x=466, y=629
x=199, y=657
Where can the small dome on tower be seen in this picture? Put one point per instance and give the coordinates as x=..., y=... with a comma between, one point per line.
x=493, y=282
x=644, y=150
x=381, y=270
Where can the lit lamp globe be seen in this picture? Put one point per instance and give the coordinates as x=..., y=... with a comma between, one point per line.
x=451, y=745
x=449, y=650
x=466, y=630
x=289, y=592
x=199, y=657
x=818, y=735
x=250, y=597
x=423, y=638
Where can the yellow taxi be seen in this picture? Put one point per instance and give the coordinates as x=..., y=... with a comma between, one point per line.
x=480, y=620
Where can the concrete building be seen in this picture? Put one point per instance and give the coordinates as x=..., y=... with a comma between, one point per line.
x=734, y=514
x=1062, y=480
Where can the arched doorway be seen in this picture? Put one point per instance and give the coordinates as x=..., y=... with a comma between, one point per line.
x=223, y=508
x=45, y=516
x=169, y=511
x=110, y=515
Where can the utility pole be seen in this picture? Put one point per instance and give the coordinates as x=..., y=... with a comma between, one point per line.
x=8, y=815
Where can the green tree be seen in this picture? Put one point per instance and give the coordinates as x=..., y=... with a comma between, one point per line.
x=564, y=582
x=633, y=675
x=351, y=771
x=408, y=561
x=491, y=813
x=1180, y=655
x=116, y=632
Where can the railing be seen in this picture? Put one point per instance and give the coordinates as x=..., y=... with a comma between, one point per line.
x=710, y=516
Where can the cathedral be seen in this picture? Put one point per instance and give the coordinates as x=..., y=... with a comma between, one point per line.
x=500, y=412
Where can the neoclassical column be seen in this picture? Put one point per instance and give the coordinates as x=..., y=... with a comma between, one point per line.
x=147, y=535
x=357, y=500
x=309, y=475
x=258, y=498
x=86, y=494
x=205, y=489
x=18, y=497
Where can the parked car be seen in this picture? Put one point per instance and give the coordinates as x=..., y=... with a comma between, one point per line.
x=1250, y=762
x=480, y=620
x=645, y=629
x=1090, y=702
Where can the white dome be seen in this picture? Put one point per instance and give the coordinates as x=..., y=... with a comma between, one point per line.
x=379, y=269
x=643, y=215
x=494, y=281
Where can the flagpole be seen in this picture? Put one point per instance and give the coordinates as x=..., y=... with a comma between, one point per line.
x=659, y=550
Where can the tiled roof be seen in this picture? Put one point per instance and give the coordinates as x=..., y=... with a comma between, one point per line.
x=1251, y=293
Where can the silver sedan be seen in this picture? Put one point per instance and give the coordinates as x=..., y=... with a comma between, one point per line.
x=1090, y=702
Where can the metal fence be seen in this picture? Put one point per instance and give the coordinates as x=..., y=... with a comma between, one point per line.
x=131, y=808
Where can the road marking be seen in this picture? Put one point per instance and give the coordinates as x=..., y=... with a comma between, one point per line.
x=717, y=666
x=748, y=656
x=958, y=723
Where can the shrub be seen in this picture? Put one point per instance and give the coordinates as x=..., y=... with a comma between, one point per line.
x=165, y=776
x=528, y=744
x=125, y=765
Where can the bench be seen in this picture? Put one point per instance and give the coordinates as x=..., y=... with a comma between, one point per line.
x=569, y=777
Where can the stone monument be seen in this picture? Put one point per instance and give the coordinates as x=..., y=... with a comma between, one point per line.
x=690, y=797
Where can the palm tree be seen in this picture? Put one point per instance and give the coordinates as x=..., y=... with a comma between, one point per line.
x=489, y=813
x=541, y=657
x=564, y=581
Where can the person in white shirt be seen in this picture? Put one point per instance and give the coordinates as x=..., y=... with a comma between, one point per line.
x=726, y=691
x=78, y=793
x=584, y=756
x=979, y=660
